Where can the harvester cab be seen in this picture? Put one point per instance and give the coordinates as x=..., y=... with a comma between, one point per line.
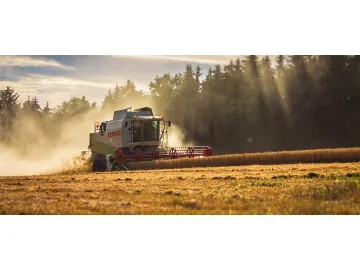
x=131, y=136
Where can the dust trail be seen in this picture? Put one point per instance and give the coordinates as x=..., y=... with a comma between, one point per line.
x=58, y=161
x=33, y=151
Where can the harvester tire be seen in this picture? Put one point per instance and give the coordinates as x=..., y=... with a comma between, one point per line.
x=99, y=163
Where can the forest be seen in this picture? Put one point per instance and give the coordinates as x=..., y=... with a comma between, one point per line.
x=252, y=104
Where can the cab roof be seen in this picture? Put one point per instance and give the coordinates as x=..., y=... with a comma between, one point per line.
x=128, y=114
x=155, y=118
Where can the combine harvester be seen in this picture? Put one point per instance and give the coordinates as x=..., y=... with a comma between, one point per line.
x=133, y=136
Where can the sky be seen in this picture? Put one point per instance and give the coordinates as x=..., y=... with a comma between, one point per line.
x=58, y=78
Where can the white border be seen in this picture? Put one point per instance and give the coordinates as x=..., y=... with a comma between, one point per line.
x=181, y=242
x=162, y=27
x=179, y=27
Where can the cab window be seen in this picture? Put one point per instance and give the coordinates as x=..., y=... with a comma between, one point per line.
x=155, y=125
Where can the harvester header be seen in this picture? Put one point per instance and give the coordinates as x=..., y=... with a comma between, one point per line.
x=132, y=136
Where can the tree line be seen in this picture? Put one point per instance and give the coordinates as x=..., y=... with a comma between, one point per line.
x=251, y=104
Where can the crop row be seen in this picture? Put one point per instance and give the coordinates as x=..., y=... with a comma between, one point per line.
x=265, y=158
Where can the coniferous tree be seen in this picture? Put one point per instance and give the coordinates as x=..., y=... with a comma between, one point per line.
x=9, y=106
x=108, y=103
x=47, y=110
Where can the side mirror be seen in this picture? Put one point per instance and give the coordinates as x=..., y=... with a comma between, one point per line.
x=169, y=124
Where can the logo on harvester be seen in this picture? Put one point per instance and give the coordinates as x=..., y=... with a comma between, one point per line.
x=114, y=133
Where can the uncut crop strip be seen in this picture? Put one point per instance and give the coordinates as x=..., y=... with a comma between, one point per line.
x=266, y=158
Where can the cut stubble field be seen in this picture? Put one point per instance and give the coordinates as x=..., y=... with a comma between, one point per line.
x=332, y=188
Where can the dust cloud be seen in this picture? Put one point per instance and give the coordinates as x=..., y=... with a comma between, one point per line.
x=176, y=137
x=33, y=151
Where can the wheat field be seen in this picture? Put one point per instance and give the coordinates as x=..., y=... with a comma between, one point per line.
x=332, y=188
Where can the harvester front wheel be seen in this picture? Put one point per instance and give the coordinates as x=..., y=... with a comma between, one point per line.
x=99, y=163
